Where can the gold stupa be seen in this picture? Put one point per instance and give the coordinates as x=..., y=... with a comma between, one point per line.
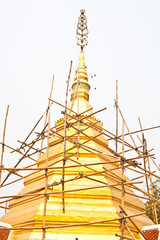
x=97, y=202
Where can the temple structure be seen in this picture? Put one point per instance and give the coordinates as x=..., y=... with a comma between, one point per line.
x=83, y=193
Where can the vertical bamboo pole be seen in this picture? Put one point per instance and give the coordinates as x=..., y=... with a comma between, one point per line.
x=126, y=126
x=6, y=207
x=47, y=112
x=133, y=223
x=154, y=205
x=123, y=191
x=4, y=131
x=153, y=208
x=144, y=161
x=65, y=131
x=46, y=183
x=116, y=115
x=78, y=117
x=144, y=153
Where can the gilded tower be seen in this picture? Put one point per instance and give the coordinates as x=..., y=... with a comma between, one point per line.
x=83, y=193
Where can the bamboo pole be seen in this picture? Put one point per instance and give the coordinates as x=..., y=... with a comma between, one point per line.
x=122, y=170
x=126, y=126
x=68, y=191
x=2, y=151
x=47, y=112
x=128, y=229
x=123, y=236
x=64, y=150
x=142, y=130
x=46, y=182
x=133, y=223
x=78, y=132
x=132, y=149
x=145, y=193
x=62, y=106
x=75, y=225
x=84, y=112
x=154, y=206
x=61, y=167
x=154, y=212
x=74, y=97
x=116, y=115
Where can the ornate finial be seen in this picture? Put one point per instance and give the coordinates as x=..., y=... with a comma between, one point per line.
x=82, y=30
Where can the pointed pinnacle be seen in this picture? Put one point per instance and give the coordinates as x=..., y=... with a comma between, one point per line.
x=82, y=30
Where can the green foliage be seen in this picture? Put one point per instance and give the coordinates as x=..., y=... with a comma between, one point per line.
x=156, y=191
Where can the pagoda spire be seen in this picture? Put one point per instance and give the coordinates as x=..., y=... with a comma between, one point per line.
x=80, y=86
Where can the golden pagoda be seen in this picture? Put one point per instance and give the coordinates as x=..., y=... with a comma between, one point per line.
x=83, y=194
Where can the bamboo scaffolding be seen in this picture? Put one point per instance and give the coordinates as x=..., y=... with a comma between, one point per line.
x=33, y=129
x=72, y=179
x=71, y=117
x=26, y=145
x=79, y=119
x=3, y=140
x=22, y=157
x=18, y=151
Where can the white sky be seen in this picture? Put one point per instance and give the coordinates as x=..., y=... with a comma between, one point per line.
x=38, y=40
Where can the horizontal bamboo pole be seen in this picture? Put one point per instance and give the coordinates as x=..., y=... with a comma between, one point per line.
x=67, y=191
x=4, y=207
x=60, y=167
x=75, y=225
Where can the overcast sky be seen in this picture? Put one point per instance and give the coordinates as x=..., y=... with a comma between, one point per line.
x=38, y=40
